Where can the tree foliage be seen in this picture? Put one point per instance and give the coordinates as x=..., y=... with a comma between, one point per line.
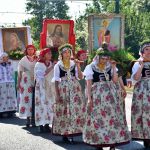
x=41, y=9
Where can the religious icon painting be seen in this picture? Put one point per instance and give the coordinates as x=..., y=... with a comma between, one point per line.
x=106, y=28
x=57, y=32
x=14, y=38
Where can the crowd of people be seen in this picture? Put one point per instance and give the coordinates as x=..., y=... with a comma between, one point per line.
x=71, y=97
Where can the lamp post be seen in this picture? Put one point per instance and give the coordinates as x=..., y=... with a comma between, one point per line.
x=117, y=7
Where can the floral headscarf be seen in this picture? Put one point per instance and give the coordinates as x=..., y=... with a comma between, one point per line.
x=43, y=52
x=65, y=47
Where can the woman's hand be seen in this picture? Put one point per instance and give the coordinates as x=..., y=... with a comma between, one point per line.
x=124, y=93
x=137, y=75
x=129, y=83
x=77, y=62
x=113, y=63
x=141, y=64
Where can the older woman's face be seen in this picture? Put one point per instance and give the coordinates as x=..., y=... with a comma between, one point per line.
x=5, y=58
x=83, y=57
x=66, y=54
x=30, y=51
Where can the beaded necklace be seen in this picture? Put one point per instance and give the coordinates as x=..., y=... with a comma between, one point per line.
x=66, y=64
x=101, y=66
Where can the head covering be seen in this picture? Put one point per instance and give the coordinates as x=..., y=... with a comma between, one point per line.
x=100, y=53
x=30, y=46
x=65, y=47
x=80, y=52
x=43, y=52
x=3, y=54
x=143, y=46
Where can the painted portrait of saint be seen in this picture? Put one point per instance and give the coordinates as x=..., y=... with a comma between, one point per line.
x=13, y=40
x=106, y=28
x=57, y=36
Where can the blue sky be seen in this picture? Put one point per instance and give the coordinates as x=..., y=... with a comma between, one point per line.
x=18, y=6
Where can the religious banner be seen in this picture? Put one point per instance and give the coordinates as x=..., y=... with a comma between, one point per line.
x=57, y=32
x=14, y=40
x=106, y=28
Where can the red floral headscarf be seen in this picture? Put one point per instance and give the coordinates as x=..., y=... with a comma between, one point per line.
x=43, y=52
x=80, y=52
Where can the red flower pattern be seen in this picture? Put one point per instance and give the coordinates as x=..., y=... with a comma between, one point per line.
x=30, y=89
x=111, y=122
x=21, y=90
x=122, y=133
x=26, y=99
x=78, y=121
x=139, y=120
x=106, y=138
x=103, y=113
x=25, y=80
x=22, y=110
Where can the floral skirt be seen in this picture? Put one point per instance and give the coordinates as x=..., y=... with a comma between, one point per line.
x=8, y=101
x=69, y=111
x=105, y=125
x=140, y=112
x=120, y=96
x=43, y=104
x=26, y=95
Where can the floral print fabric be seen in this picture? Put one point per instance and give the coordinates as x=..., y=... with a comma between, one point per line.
x=26, y=87
x=8, y=100
x=44, y=96
x=6, y=73
x=26, y=93
x=105, y=125
x=140, y=118
x=69, y=111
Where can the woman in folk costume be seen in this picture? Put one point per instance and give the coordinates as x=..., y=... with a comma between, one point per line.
x=104, y=125
x=26, y=84
x=140, y=112
x=44, y=91
x=82, y=57
x=8, y=102
x=68, y=110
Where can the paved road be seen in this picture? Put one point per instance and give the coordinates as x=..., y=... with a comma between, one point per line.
x=15, y=136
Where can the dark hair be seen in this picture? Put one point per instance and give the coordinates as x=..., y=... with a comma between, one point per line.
x=143, y=45
x=107, y=32
x=61, y=34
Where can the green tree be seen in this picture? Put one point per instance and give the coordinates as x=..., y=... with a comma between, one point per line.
x=141, y=5
x=41, y=9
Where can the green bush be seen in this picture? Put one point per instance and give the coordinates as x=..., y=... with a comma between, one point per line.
x=124, y=58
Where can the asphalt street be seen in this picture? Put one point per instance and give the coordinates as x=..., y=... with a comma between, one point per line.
x=15, y=136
